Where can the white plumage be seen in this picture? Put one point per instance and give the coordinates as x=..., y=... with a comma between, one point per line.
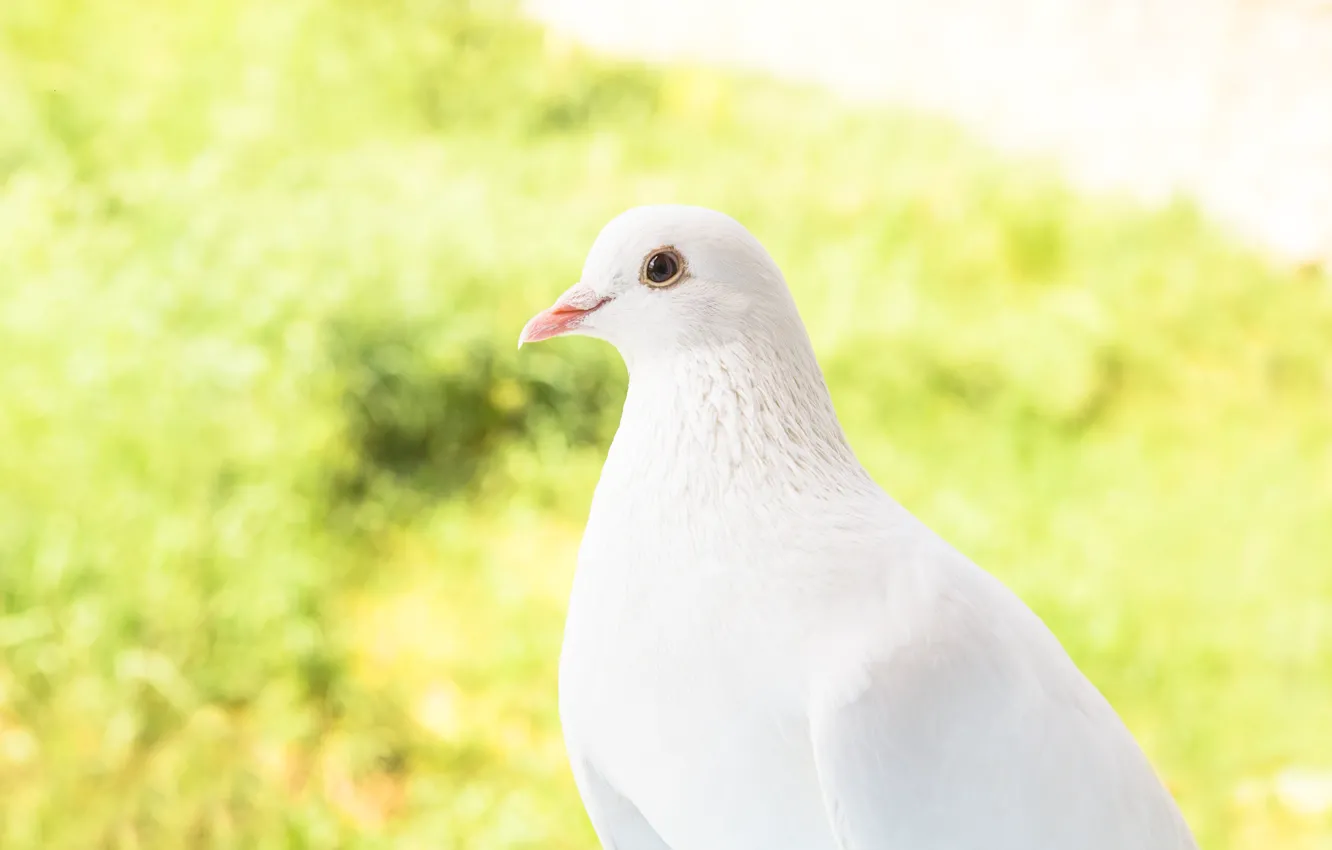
x=764, y=651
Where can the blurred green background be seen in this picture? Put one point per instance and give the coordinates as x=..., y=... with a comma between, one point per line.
x=287, y=525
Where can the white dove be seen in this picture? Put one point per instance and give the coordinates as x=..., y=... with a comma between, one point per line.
x=763, y=650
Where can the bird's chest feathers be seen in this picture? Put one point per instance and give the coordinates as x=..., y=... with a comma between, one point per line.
x=686, y=667
x=671, y=611
x=678, y=695
x=687, y=636
x=705, y=539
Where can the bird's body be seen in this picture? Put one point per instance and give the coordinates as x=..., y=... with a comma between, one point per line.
x=764, y=651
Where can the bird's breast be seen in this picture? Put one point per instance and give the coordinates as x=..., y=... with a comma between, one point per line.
x=686, y=669
x=685, y=717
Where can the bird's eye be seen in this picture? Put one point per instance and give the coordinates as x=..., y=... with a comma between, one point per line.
x=662, y=267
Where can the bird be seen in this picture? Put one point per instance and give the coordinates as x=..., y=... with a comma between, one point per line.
x=763, y=650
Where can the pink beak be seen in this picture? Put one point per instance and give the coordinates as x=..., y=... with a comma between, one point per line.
x=568, y=312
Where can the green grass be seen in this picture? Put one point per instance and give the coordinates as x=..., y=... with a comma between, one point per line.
x=286, y=524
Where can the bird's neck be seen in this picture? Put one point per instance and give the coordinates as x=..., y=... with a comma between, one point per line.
x=740, y=420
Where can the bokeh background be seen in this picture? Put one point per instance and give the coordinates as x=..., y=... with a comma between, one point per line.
x=287, y=525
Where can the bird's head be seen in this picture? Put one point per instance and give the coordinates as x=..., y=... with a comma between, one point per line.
x=665, y=278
